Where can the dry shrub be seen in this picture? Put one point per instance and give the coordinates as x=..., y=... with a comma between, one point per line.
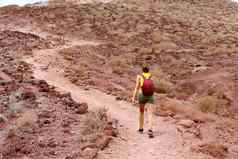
x=163, y=86
x=76, y=73
x=24, y=124
x=70, y=53
x=3, y=118
x=187, y=87
x=29, y=118
x=15, y=108
x=162, y=83
x=218, y=92
x=157, y=72
x=94, y=125
x=207, y=104
x=185, y=109
x=120, y=65
x=213, y=149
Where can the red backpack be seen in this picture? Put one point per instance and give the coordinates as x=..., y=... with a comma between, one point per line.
x=148, y=87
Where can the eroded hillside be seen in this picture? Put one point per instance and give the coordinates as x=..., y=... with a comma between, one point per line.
x=191, y=46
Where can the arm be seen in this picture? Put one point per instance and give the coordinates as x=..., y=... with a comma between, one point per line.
x=137, y=87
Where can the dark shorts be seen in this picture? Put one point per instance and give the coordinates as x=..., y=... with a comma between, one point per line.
x=145, y=99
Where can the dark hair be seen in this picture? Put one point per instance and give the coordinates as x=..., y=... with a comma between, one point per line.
x=145, y=69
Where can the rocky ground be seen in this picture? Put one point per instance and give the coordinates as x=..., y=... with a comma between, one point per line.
x=190, y=45
x=37, y=121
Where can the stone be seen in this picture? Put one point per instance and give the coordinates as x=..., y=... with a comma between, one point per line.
x=186, y=123
x=119, y=98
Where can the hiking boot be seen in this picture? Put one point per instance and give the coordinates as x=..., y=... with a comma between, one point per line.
x=141, y=131
x=150, y=133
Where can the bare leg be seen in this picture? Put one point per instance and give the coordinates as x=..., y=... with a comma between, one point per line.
x=141, y=116
x=150, y=115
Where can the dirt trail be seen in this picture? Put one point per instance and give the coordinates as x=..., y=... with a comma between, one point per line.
x=167, y=143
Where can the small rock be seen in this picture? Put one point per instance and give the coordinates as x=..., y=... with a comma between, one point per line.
x=186, y=123
x=88, y=145
x=3, y=119
x=52, y=143
x=65, y=123
x=53, y=152
x=44, y=87
x=89, y=153
x=119, y=98
x=67, y=131
x=86, y=88
x=82, y=109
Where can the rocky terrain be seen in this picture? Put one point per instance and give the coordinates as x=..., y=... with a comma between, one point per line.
x=37, y=121
x=191, y=47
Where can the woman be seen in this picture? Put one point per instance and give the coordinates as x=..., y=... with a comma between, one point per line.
x=145, y=90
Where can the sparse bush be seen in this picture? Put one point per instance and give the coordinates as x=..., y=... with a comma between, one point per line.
x=120, y=65
x=185, y=89
x=70, y=53
x=215, y=150
x=218, y=92
x=94, y=124
x=24, y=124
x=163, y=86
x=15, y=108
x=28, y=119
x=208, y=104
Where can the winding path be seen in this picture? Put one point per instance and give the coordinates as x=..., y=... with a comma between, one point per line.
x=167, y=143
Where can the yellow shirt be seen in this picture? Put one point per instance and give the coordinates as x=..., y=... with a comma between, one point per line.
x=146, y=76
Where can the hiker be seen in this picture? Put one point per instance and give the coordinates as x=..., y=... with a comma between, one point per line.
x=144, y=90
